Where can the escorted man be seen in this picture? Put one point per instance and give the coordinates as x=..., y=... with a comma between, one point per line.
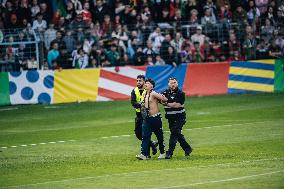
x=176, y=116
x=152, y=120
x=137, y=96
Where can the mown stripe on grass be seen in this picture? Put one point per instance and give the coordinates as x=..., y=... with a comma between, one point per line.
x=129, y=135
x=142, y=172
x=220, y=181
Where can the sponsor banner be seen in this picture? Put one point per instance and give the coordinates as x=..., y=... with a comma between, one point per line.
x=279, y=75
x=253, y=76
x=206, y=79
x=267, y=61
x=31, y=87
x=117, y=83
x=76, y=85
x=4, y=89
x=161, y=74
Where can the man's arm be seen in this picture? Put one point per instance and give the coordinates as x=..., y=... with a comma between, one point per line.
x=174, y=105
x=179, y=102
x=134, y=103
x=159, y=96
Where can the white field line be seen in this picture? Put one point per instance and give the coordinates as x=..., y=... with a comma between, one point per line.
x=211, y=127
x=144, y=172
x=8, y=109
x=219, y=181
x=229, y=120
x=118, y=136
x=51, y=107
x=41, y=143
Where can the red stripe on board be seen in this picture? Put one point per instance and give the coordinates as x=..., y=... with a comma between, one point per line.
x=142, y=68
x=206, y=79
x=112, y=95
x=118, y=78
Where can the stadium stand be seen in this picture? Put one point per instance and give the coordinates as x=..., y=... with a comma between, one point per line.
x=81, y=34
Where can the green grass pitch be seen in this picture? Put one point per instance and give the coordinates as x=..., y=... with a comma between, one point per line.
x=238, y=142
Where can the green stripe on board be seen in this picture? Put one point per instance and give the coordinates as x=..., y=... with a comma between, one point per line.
x=279, y=76
x=4, y=89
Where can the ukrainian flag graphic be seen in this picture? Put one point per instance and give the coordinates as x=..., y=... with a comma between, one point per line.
x=254, y=76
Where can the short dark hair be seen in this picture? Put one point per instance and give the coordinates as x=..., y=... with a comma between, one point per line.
x=150, y=81
x=172, y=78
x=141, y=77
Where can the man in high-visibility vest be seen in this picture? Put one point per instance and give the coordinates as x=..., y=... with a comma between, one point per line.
x=137, y=97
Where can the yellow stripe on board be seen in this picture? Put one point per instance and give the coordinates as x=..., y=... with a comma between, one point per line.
x=269, y=61
x=250, y=86
x=76, y=85
x=252, y=72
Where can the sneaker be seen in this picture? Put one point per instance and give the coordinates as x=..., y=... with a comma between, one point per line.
x=154, y=148
x=168, y=156
x=141, y=157
x=187, y=153
x=162, y=156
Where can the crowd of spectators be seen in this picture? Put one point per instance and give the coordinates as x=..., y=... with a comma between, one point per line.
x=97, y=33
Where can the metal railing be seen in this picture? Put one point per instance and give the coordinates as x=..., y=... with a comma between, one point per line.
x=19, y=49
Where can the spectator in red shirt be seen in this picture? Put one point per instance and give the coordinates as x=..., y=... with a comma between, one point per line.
x=236, y=56
x=107, y=27
x=197, y=53
x=86, y=14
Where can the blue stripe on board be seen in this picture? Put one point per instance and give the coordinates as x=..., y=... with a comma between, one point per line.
x=161, y=74
x=242, y=91
x=251, y=79
x=253, y=65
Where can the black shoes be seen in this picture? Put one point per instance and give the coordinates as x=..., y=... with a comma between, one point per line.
x=187, y=153
x=168, y=155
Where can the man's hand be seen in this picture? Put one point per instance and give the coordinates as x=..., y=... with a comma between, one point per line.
x=165, y=103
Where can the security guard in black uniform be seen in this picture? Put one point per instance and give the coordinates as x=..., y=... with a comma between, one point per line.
x=175, y=113
x=137, y=97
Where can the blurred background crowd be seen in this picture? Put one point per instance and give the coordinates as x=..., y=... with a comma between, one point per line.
x=55, y=34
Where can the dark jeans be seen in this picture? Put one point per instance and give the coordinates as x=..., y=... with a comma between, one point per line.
x=152, y=124
x=138, y=130
x=177, y=136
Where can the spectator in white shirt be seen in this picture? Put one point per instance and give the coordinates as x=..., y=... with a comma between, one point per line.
x=49, y=35
x=39, y=24
x=81, y=60
x=198, y=36
x=157, y=38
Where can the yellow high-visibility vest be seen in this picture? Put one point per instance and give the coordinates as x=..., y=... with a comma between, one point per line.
x=139, y=97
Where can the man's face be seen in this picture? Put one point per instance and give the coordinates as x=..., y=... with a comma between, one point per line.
x=55, y=46
x=173, y=84
x=148, y=86
x=140, y=83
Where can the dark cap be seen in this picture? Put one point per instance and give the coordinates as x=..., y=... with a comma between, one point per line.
x=150, y=81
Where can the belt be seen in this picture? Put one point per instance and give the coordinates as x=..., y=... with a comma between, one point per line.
x=155, y=115
x=175, y=112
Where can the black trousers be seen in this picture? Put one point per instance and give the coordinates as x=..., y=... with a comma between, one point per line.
x=176, y=136
x=138, y=127
x=138, y=130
